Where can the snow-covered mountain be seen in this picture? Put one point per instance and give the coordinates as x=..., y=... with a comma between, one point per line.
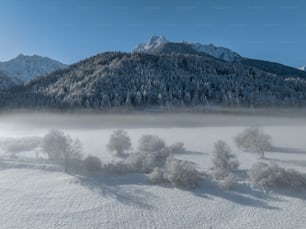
x=26, y=68
x=218, y=52
x=153, y=43
x=163, y=79
x=303, y=68
x=156, y=42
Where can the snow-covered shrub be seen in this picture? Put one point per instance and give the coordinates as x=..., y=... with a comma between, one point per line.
x=119, y=142
x=177, y=148
x=157, y=176
x=16, y=145
x=253, y=140
x=228, y=182
x=147, y=161
x=223, y=162
x=272, y=175
x=181, y=173
x=92, y=163
x=142, y=162
x=150, y=143
x=61, y=148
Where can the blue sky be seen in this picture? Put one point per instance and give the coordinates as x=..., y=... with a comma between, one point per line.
x=70, y=30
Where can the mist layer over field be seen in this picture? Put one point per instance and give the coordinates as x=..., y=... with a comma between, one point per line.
x=118, y=200
x=197, y=131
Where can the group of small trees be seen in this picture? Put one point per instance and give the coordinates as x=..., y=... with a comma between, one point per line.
x=154, y=158
x=157, y=160
x=252, y=140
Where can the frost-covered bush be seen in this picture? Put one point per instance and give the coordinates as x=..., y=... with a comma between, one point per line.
x=92, y=163
x=254, y=140
x=150, y=143
x=272, y=175
x=177, y=148
x=176, y=172
x=142, y=162
x=119, y=142
x=223, y=162
x=181, y=173
x=16, y=145
x=147, y=161
x=157, y=176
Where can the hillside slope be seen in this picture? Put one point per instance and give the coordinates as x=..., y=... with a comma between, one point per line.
x=7, y=82
x=163, y=79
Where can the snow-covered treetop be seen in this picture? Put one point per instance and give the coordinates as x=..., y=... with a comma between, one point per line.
x=303, y=68
x=217, y=52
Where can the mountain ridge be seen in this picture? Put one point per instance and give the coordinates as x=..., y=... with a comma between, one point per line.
x=165, y=81
x=25, y=68
x=155, y=42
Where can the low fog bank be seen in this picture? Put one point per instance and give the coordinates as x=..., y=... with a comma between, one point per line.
x=149, y=120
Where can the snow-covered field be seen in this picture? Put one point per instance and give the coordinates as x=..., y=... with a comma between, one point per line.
x=38, y=194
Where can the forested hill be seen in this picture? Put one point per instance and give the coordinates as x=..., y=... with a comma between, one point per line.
x=7, y=82
x=169, y=79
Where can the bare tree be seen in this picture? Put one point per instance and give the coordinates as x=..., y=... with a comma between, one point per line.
x=119, y=142
x=60, y=147
x=223, y=161
x=254, y=140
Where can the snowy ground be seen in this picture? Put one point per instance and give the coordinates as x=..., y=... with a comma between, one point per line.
x=36, y=194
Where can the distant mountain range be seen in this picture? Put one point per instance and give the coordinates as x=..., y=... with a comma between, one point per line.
x=157, y=42
x=163, y=75
x=25, y=68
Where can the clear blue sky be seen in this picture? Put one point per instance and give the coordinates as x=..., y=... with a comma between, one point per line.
x=70, y=30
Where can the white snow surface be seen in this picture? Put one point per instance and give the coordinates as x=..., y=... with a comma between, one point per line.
x=218, y=52
x=37, y=194
x=25, y=67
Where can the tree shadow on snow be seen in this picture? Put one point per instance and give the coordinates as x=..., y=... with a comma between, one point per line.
x=115, y=187
x=130, y=188
x=241, y=194
x=29, y=164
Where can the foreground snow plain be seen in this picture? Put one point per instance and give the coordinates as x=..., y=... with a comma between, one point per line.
x=38, y=194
